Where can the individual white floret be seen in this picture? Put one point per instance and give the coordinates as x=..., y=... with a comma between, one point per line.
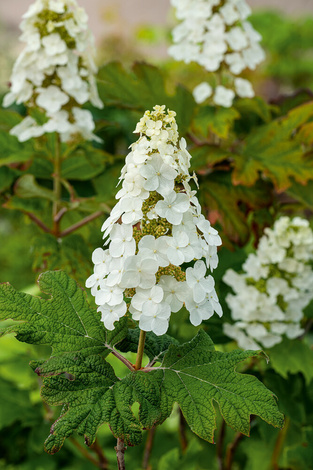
x=201, y=92
x=223, y=96
x=172, y=207
x=156, y=322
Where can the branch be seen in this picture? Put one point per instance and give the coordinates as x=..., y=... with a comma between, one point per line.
x=279, y=444
x=182, y=431
x=231, y=449
x=60, y=214
x=38, y=222
x=103, y=461
x=122, y=359
x=120, y=451
x=80, y=224
x=83, y=450
x=220, y=446
x=148, y=448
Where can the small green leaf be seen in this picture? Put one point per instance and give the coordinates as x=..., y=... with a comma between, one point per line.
x=27, y=187
x=292, y=356
x=194, y=375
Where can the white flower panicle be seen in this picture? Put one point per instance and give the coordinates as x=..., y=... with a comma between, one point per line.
x=275, y=287
x=216, y=35
x=155, y=227
x=55, y=71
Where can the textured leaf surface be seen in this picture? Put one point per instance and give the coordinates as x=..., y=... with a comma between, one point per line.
x=276, y=151
x=65, y=321
x=195, y=375
x=143, y=89
x=155, y=346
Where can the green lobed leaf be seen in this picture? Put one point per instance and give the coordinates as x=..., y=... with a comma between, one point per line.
x=155, y=346
x=218, y=120
x=195, y=375
x=292, y=356
x=93, y=395
x=230, y=204
x=142, y=89
x=65, y=322
x=275, y=151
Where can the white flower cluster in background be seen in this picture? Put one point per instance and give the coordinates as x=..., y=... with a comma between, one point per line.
x=216, y=35
x=155, y=227
x=55, y=71
x=275, y=287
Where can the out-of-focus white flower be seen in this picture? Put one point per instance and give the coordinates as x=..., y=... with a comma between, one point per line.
x=201, y=92
x=55, y=71
x=217, y=36
x=223, y=96
x=243, y=88
x=160, y=229
x=275, y=287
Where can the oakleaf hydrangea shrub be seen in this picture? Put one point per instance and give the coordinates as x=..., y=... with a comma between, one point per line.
x=216, y=35
x=153, y=230
x=55, y=72
x=275, y=287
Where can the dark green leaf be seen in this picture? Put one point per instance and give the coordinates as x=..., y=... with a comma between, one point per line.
x=142, y=90
x=155, y=346
x=292, y=356
x=194, y=375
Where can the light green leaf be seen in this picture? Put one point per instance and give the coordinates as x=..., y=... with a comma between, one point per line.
x=195, y=375
x=292, y=356
x=27, y=187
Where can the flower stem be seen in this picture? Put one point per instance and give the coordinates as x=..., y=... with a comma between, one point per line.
x=57, y=187
x=120, y=450
x=141, y=346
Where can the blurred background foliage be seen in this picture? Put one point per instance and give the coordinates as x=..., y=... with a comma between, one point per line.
x=254, y=162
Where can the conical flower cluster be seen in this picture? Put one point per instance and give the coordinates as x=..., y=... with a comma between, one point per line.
x=216, y=35
x=153, y=230
x=275, y=287
x=55, y=71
